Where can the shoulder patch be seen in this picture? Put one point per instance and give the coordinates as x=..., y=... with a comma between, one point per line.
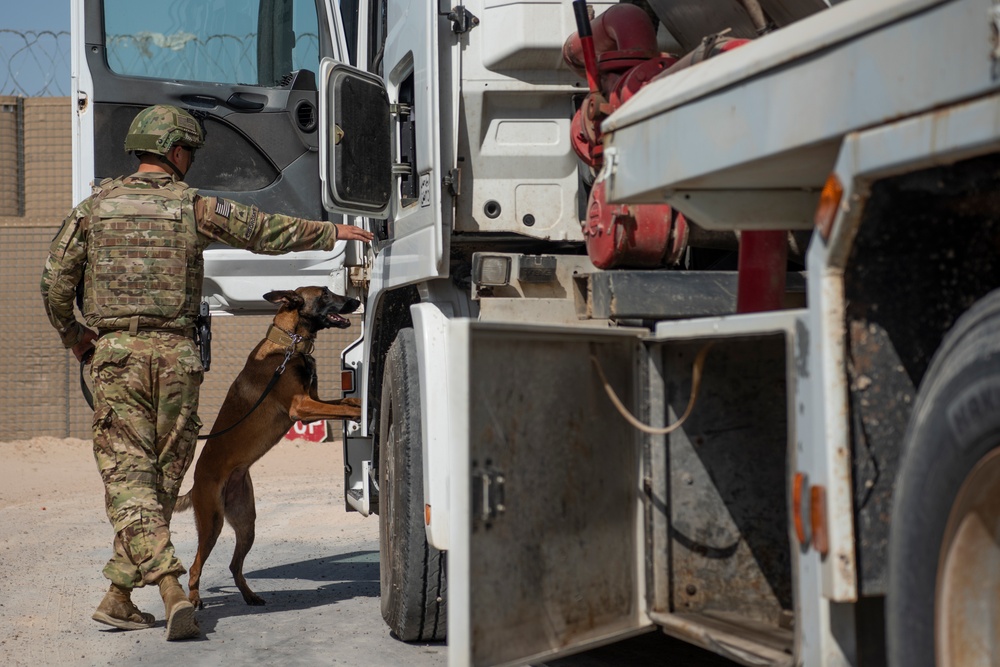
x=252, y=222
x=223, y=207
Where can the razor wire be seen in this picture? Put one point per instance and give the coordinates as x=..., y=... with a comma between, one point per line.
x=37, y=63
x=219, y=58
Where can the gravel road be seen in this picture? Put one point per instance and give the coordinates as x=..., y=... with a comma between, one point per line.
x=314, y=563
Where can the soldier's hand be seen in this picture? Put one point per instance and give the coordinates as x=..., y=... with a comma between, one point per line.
x=352, y=233
x=84, y=349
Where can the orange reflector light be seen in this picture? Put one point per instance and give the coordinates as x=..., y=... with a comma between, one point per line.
x=427, y=515
x=821, y=537
x=347, y=381
x=829, y=202
x=799, y=493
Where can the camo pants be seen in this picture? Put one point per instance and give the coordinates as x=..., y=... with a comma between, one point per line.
x=145, y=428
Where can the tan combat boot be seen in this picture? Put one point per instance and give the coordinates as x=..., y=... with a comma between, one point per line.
x=181, y=623
x=117, y=610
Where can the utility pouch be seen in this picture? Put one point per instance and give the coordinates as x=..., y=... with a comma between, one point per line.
x=203, y=335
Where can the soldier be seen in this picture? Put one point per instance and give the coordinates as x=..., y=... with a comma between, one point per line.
x=136, y=244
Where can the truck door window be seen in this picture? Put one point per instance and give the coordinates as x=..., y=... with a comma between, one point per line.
x=250, y=42
x=376, y=36
x=349, y=11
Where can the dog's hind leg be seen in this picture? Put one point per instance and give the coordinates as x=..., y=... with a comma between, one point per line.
x=208, y=518
x=241, y=513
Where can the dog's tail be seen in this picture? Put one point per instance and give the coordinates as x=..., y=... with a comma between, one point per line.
x=183, y=502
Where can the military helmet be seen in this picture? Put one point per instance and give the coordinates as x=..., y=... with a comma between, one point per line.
x=158, y=128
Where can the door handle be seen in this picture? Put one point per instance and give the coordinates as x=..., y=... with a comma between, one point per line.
x=239, y=102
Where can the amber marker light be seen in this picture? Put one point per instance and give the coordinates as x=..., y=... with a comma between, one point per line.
x=427, y=515
x=347, y=381
x=821, y=536
x=829, y=202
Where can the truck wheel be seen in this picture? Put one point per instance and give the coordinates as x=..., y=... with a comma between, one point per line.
x=412, y=572
x=943, y=606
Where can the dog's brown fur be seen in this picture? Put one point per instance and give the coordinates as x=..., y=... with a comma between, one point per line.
x=222, y=486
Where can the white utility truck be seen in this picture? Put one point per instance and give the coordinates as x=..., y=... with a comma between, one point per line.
x=680, y=314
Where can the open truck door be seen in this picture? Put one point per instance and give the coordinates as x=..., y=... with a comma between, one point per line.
x=248, y=70
x=547, y=551
x=387, y=151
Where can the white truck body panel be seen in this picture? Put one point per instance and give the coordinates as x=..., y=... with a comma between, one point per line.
x=770, y=117
x=82, y=88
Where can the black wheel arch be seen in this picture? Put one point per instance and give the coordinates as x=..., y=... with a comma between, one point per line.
x=392, y=315
x=927, y=248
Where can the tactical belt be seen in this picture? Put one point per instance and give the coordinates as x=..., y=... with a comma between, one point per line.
x=187, y=332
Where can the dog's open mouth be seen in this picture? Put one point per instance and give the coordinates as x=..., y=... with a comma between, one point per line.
x=335, y=320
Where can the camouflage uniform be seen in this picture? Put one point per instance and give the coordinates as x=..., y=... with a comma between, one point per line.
x=137, y=245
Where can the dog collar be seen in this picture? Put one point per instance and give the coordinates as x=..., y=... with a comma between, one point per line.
x=287, y=340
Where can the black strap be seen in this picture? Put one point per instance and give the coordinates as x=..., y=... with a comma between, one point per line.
x=83, y=385
x=267, y=390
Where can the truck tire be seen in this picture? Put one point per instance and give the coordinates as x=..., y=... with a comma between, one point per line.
x=412, y=572
x=943, y=606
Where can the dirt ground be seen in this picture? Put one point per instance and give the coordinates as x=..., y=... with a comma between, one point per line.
x=315, y=564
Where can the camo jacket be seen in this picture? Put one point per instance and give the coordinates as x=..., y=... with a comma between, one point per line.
x=213, y=219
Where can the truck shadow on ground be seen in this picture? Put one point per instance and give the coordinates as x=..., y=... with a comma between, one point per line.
x=337, y=577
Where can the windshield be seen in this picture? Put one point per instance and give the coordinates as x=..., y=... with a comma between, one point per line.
x=250, y=42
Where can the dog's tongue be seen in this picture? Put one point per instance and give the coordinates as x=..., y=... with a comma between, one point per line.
x=334, y=317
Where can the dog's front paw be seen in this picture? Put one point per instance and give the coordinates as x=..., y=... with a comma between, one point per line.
x=352, y=402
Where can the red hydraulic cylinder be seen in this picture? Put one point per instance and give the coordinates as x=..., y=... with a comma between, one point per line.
x=762, y=266
x=586, y=44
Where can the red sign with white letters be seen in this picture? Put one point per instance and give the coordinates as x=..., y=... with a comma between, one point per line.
x=314, y=432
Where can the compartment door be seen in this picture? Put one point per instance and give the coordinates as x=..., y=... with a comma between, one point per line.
x=546, y=550
x=248, y=69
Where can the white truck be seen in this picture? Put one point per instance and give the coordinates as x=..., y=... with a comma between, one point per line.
x=703, y=343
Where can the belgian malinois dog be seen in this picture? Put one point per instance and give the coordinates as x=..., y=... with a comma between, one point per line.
x=222, y=486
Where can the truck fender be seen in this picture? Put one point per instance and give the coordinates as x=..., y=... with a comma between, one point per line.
x=430, y=325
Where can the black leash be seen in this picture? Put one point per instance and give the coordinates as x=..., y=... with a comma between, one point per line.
x=83, y=383
x=267, y=390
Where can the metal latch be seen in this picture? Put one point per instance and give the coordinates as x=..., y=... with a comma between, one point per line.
x=488, y=495
x=402, y=110
x=462, y=20
x=453, y=182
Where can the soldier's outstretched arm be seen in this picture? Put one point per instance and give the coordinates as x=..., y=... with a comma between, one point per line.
x=244, y=226
x=352, y=233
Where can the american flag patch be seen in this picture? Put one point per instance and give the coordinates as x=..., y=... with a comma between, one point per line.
x=223, y=207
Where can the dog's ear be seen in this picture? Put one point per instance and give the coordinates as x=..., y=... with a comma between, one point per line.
x=287, y=297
